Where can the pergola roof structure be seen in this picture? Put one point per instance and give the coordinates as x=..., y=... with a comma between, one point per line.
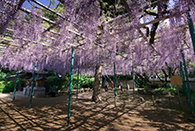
x=76, y=25
x=80, y=40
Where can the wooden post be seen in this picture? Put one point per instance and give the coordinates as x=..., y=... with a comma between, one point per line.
x=177, y=80
x=179, y=97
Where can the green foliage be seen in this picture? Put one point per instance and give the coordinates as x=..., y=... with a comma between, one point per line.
x=124, y=77
x=85, y=81
x=181, y=91
x=120, y=77
x=154, y=85
x=192, y=74
x=193, y=96
x=1, y=86
x=52, y=2
x=7, y=72
x=8, y=86
x=61, y=83
x=173, y=90
x=2, y=75
x=162, y=76
x=111, y=8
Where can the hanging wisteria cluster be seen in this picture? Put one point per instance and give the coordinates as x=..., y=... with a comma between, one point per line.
x=8, y=9
x=97, y=40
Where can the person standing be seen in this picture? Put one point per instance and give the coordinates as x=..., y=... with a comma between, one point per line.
x=53, y=91
x=121, y=85
x=106, y=86
x=128, y=87
x=112, y=85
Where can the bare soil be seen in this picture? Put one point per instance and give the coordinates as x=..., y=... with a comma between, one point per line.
x=130, y=113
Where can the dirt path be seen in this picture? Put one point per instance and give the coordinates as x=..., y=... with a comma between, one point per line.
x=130, y=114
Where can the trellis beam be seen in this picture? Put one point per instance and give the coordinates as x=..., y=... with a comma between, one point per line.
x=58, y=14
x=47, y=20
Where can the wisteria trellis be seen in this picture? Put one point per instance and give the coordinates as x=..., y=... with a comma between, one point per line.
x=97, y=40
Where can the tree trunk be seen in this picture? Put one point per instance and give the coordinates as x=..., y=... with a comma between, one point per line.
x=97, y=84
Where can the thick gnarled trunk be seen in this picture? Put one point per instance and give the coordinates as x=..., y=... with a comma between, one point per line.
x=97, y=84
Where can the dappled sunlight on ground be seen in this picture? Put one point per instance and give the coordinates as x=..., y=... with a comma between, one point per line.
x=130, y=114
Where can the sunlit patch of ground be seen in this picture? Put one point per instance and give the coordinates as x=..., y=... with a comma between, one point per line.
x=129, y=113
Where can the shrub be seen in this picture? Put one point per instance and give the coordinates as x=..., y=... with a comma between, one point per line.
x=61, y=83
x=1, y=86
x=9, y=86
x=86, y=81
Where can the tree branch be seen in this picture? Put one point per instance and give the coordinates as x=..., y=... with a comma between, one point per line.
x=159, y=78
x=150, y=13
x=125, y=4
x=153, y=32
x=165, y=74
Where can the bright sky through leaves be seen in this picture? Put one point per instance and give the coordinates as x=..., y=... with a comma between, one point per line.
x=45, y=2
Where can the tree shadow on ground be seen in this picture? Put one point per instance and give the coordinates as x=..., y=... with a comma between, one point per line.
x=166, y=115
x=129, y=114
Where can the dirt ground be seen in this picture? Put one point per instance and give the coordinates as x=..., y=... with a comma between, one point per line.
x=130, y=113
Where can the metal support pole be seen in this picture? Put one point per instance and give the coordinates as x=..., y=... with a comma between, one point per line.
x=191, y=28
x=188, y=84
x=33, y=84
x=16, y=83
x=77, y=82
x=133, y=82
x=114, y=84
x=70, y=90
x=183, y=81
